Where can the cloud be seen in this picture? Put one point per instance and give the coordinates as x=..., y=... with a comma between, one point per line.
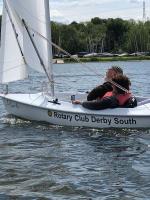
x=67, y=11
x=84, y=10
x=56, y=13
x=136, y=1
x=68, y=3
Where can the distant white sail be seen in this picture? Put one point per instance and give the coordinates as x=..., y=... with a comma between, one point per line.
x=35, y=13
x=12, y=66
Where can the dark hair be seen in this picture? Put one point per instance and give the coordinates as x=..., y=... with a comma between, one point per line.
x=117, y=69
x=123, y=81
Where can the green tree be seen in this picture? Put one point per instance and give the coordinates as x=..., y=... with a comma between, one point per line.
x=138, y=37
x=116, y=31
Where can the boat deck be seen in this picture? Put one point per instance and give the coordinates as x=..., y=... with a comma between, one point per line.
x=45, y=101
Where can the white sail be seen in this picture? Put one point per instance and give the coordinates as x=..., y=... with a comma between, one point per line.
x=12, y=66
x=34, y=36
x=35, y=13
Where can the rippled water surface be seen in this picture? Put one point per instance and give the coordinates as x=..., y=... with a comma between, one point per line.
x=42, y=161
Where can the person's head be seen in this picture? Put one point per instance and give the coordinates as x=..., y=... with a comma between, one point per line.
x=112, y=72
x=123, y=81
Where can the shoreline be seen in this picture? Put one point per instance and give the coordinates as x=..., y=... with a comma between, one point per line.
x=107, y=59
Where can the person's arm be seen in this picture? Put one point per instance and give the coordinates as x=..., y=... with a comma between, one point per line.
x=131, y=103
x=99, y=91
x=108, y=102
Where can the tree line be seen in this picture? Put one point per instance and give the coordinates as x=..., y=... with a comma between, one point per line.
x=102, y=35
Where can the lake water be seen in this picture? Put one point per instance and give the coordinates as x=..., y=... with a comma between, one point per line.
x=40, y=161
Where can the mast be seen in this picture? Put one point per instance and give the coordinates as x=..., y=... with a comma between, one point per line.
x=144, y=11
x=48, y=30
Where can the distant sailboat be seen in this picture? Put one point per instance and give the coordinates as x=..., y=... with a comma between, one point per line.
x=58, y=61
x=26, y=42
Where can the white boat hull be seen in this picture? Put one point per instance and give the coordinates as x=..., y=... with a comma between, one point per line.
x=37, y=107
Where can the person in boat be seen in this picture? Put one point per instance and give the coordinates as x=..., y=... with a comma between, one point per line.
x=118, y=97
x=101, y=90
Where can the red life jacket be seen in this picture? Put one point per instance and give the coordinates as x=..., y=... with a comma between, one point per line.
x=122, y=98
x=108, y=94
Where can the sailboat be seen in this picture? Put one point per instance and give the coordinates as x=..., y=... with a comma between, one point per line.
x=26, y=42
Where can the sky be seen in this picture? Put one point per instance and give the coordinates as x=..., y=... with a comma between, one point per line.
x=83, y=10
x=67, y=11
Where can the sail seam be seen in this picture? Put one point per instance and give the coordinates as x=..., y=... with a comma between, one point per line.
x=14, y=67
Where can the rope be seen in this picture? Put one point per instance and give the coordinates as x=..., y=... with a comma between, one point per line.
x=37, y=52
x=55, y=45
x=78, y=60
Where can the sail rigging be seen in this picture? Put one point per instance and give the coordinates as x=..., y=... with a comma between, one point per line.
x=17, y=44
